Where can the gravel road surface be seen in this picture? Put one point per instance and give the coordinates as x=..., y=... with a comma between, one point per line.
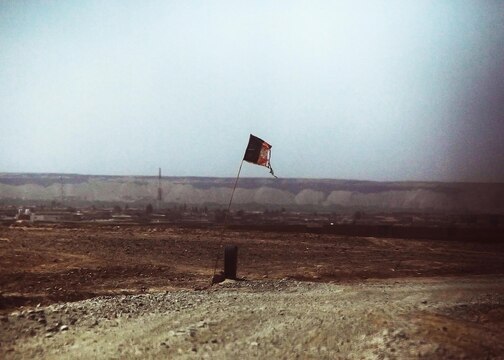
x=431, y=318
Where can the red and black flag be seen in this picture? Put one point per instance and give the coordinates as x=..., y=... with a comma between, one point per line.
x=258, y=152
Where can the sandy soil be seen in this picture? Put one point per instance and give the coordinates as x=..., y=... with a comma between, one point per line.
x=359, y=298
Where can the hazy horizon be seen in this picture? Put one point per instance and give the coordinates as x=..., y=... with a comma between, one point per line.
x=263, y=177
x=363, y=90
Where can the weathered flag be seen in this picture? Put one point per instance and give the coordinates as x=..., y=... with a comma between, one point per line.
x=258, y=152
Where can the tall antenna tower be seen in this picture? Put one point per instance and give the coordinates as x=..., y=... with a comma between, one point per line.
x=159, y=191
x=62, y=190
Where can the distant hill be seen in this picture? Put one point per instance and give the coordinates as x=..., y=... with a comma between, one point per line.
x=290, y=193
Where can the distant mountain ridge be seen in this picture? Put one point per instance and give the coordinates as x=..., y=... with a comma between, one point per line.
x=322, y=193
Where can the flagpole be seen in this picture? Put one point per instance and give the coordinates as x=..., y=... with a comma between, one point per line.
x=226, y=217
x=232, y=193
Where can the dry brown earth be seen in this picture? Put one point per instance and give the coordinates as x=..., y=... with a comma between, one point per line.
x=360, y=298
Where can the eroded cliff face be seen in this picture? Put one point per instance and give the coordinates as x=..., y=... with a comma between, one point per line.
x=285, y=192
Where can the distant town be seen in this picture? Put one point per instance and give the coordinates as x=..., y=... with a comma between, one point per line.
x=430, y=210
x=359, y=223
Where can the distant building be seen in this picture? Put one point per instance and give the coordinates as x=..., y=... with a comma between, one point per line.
x=55, y=216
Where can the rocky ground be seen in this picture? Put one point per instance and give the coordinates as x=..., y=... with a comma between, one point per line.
x=144, y=293
x=422, y=318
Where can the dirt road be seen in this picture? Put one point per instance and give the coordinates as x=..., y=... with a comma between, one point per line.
x=421, y=318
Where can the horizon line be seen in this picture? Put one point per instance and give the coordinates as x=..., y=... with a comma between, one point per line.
x=55, y=174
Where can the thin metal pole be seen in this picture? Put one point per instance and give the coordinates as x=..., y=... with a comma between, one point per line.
x=225, y=219
x=159, y=194
x=232, y=194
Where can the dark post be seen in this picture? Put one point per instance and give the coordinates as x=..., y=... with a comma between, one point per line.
x=230, y=261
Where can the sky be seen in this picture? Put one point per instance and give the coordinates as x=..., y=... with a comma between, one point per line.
x=368, y=90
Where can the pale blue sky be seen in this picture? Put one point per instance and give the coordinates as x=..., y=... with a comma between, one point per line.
x=372, y=90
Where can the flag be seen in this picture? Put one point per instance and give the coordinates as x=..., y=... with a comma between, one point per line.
x=258, y=152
